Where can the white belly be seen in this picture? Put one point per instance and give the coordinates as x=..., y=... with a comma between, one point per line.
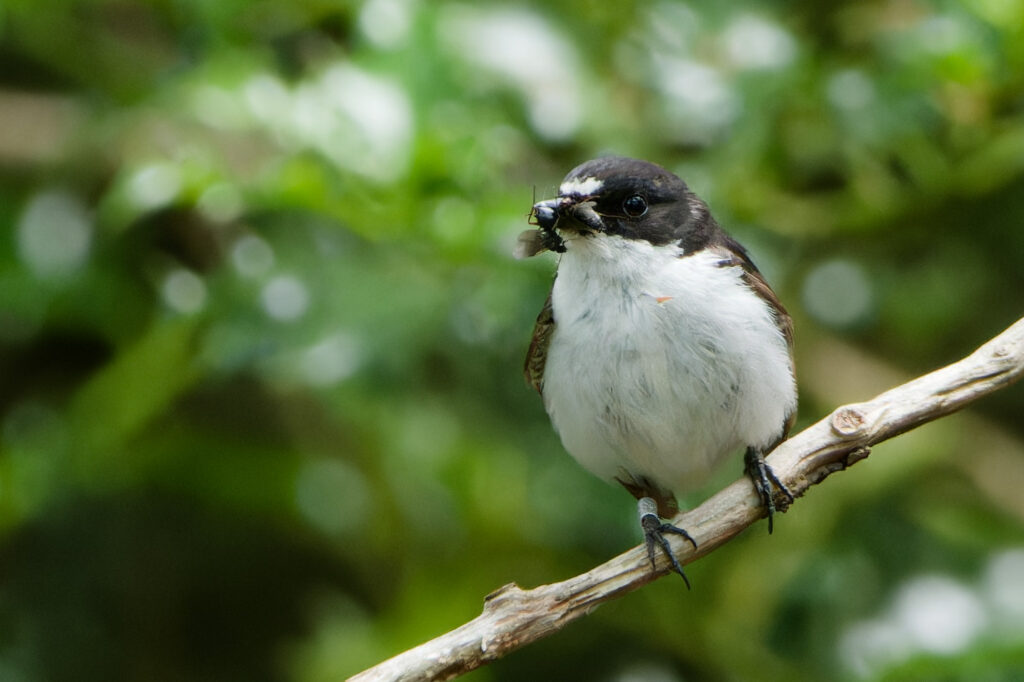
x=660, y=366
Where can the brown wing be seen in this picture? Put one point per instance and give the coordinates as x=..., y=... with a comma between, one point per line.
x=735, y=255
x=537, y=355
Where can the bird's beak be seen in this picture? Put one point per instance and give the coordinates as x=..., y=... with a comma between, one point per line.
x=567, y=213
x=545, y=213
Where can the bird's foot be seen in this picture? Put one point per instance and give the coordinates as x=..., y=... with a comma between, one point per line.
x=766, y=483
x=654, y=534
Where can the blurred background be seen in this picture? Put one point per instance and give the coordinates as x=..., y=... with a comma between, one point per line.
x=261, y=335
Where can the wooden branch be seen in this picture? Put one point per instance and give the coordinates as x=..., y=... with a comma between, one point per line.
x=513, y=617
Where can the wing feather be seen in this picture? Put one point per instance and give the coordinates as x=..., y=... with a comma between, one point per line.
x=537, y=355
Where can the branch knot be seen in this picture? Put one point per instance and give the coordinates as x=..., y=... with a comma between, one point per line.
x=849, y=421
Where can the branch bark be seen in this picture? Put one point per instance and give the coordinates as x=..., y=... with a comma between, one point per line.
x=513, y=617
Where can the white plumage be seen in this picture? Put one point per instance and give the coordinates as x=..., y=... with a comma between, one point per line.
x=661, y=363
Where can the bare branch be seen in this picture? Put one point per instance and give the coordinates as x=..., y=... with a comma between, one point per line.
x=513, y=617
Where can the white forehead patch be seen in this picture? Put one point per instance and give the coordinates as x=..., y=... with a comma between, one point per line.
x=583, y=187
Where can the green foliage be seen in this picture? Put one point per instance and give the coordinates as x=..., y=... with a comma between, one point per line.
x=261, y=334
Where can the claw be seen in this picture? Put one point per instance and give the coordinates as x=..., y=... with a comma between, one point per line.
x=765, y=483
x=654, y=534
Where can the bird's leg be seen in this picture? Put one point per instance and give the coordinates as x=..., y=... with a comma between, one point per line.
x=654, y=533
x=764, y=479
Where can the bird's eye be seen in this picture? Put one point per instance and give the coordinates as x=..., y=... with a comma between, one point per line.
x=635, y=206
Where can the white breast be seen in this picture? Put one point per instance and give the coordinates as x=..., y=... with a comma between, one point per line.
x=660, y=366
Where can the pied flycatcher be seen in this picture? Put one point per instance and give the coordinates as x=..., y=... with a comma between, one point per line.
x=661, y=349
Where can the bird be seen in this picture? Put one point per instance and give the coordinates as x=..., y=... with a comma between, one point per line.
x=660, y=350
